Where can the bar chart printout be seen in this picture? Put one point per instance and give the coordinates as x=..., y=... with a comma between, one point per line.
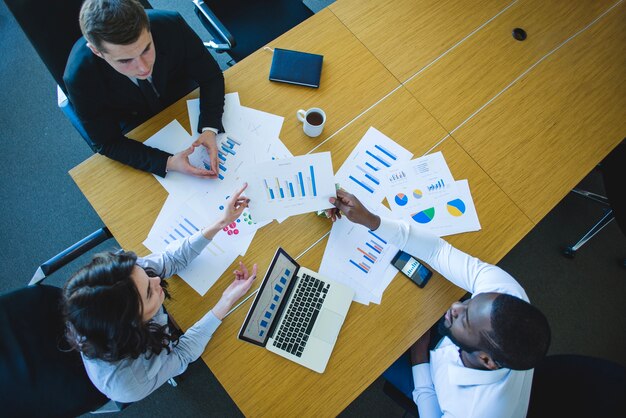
x=300, y=186
x=363, y=172
x=359, y=258
x=266, y=305
x=289, y=186
x=368, y=253
x=175, y=223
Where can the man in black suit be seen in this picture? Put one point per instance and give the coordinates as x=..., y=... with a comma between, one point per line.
x=129, y=65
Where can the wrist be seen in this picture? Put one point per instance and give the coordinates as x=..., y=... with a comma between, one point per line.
x=221, y=308
x=373, y=222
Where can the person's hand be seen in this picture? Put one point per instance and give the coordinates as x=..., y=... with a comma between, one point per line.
x=419, y=350
x=238, y=288
x=233, y=209
x=180, y=162
x=207, y=140
x=353, y=209
x=235, y=205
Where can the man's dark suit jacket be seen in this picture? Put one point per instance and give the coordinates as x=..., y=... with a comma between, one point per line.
x=109, y=103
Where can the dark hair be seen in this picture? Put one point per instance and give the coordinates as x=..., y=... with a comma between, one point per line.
x=520, y=334
x=118, y=22
x=103, y=311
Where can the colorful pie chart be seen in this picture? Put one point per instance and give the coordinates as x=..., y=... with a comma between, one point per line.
x=456, y=207
x=417, y=193
x=401, y=199
x=424, y=216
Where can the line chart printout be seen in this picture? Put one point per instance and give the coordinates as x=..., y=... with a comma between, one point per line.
x=289, y=186
x=362, y=174
x=360, y=259
x=177, y=222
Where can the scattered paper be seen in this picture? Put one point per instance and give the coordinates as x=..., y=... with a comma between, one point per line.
x=424, y=192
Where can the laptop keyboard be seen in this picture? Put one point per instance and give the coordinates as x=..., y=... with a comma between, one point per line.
x=301, y=314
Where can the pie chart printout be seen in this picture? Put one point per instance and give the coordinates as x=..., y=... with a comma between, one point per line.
x=401, y=199
x=417, y=193
x=456, y=207
x=424, y=216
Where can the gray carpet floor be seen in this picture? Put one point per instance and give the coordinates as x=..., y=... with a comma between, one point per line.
x=42, y=212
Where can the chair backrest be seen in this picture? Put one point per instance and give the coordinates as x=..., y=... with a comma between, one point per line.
x=570, y=385
x=38, y=376
x=52, y=28
x=254, y=23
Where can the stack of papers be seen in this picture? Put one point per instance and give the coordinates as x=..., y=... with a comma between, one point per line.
x=421, y=191
x=251, y=137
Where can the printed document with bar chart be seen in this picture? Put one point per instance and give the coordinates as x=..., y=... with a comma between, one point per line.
x=360, y=258
x=361, y=173
x=176, y=222
x=290, y=186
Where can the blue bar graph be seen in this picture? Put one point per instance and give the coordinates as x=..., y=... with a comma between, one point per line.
x=185, y=229
x=386, y=152
x=313, y=181
x=372, y=247
x=379, y=238
x=379, y=159
x=228, y=150
x=363, y=185
x=297, y=186
x=291, y=189
x=192, y=225
x=359, y=267
x=301, y=183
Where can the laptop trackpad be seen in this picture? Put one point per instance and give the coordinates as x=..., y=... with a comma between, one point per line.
x=327, y=326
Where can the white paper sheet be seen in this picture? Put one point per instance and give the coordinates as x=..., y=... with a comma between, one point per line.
x=359, y=258
x=424, y=192
x=361, y=173
x=178, y=221
x=290, y=186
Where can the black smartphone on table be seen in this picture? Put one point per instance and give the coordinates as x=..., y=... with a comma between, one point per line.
x=412, y=268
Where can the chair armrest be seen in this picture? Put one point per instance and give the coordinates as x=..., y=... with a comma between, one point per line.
x=68, y=110
x=222, y=38
x=70, y=254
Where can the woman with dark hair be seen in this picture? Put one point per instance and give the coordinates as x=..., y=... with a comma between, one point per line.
x=114, y=312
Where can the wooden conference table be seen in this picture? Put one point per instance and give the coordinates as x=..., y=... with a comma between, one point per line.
x=421, y=72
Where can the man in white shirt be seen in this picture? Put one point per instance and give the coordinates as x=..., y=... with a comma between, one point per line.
x=483, y=366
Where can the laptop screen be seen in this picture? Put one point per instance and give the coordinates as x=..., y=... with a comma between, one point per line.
x=266, y=307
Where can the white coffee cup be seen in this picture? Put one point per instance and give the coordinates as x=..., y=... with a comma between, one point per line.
x=313, y=121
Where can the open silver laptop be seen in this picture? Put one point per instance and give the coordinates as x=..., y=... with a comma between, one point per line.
x=297, y=313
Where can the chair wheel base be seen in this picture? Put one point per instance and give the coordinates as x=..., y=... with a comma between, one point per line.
x=569, y=252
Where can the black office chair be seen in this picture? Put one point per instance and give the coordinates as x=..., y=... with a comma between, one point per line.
x=563, y=386
x=613, y=169
x=39, y=375
x=578, y=386
x=240, y=27
x=52, y=28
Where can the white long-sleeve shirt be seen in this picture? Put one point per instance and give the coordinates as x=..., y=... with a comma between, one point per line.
x=445, y=387
x=129, y=380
